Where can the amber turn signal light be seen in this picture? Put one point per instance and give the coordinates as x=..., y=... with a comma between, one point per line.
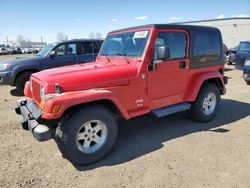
x=56, y=108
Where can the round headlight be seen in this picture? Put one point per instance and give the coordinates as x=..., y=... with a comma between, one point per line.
x=4, y=66
x=42, y=91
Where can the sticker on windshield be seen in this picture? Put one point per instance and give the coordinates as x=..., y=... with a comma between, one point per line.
x=140, y=34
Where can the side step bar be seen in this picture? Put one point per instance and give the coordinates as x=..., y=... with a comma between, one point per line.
x=160, y=112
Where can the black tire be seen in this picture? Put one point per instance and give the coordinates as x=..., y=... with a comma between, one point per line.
x=21, y=80
x=70, y=125
x=197, y=111
x=248, y=82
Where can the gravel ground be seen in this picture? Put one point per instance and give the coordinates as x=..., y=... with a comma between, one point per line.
x=168, y=152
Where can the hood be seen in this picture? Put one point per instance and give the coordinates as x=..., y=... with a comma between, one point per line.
x=21, y=60
x=87, y=76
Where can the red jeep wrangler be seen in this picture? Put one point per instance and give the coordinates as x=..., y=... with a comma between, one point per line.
x=158, y=69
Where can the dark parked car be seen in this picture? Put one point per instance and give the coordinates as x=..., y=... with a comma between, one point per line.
x=242, y=54
x=231, y=55
x=246, y=71
x=17, y=50
x=17, y=72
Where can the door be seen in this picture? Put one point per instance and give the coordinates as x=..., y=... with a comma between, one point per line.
x=169, y=78
x=85, y=52
x=65, y=54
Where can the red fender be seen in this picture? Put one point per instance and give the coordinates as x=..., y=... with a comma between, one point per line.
x=196, y=82
x=70, y=99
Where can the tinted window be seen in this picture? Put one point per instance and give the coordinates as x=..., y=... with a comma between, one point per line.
x=86, y=48
x=60, y=50
x=71, y=49
x=207, y=46
x=175, y=41
x=97, y=45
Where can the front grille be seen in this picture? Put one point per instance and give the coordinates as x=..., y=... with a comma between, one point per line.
x=36, y=91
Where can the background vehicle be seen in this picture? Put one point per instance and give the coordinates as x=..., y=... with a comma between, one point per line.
x=139, y=70
x=246, y=71
x=3, y=51
x=10, y=50
x=28, y=50
x=231, y=55
x=243, y=52
x=17, y=72
x=17, y=50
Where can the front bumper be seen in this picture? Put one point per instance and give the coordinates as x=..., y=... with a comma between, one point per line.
x=31, y=117
x=246, y=77
x=246, y=73
x=5, y=78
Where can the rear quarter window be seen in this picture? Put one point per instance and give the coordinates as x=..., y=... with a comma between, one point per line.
x=207, y=46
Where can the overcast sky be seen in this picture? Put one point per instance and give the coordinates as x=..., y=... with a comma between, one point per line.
x=78, y=18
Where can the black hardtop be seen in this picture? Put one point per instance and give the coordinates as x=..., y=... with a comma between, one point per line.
x=188, y=28
x=193, y=30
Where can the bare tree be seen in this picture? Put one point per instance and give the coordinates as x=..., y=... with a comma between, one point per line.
x=92, y=35
x=20, y=38
x=61, y=37
x=96, y=35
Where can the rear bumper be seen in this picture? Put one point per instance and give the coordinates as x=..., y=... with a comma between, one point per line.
x=5, y=78
x=31, y=116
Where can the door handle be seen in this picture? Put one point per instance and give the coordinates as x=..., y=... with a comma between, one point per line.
x=182, y=64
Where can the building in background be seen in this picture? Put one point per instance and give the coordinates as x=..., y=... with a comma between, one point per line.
x=233, y=30
x=27, y=44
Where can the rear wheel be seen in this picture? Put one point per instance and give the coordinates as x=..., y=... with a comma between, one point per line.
x=21, y=80
x=87, y=135
x=207, y=103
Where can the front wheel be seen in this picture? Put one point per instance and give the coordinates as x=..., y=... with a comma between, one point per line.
x=87, y=135
x=21, y=80
x=207, y=103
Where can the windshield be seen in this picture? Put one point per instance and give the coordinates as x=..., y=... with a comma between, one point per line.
x=245, y=46
x=44, y=52
x=125, y=44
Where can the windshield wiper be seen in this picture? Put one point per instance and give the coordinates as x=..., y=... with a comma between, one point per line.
x=123, y=55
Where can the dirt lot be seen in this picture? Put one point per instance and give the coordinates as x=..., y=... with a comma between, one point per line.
x=168, y=152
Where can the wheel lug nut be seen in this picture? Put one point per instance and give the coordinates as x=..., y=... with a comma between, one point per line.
x=93, y=136
x=93, y=131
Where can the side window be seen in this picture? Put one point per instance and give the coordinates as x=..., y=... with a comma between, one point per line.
x=86, y=48
x=207, y=46
x=97, y=46
x=175, y=41
x=71, y=49
x=60, y=50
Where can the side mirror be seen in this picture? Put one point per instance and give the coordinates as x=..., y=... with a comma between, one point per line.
x=52, y=54
x=163, y=52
